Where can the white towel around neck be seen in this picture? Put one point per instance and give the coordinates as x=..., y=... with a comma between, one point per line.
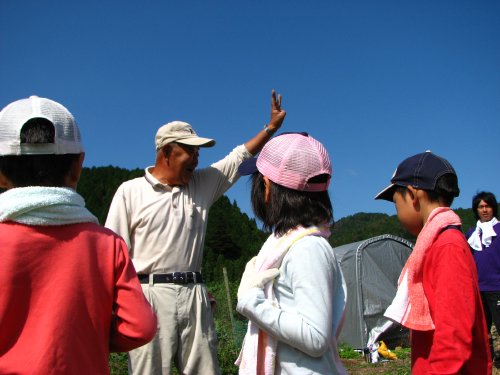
x=40, y=205
x=483, y=234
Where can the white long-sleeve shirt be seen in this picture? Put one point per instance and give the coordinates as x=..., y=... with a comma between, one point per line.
x=311, y=293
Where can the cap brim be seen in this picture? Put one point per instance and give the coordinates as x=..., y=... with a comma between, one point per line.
x=248, y=167
x=197, y=141
x=387, y=194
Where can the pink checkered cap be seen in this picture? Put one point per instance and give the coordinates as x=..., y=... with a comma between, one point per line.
x=292, y=159
x=16, y=114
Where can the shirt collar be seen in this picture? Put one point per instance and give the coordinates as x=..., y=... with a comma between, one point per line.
x=154, y=181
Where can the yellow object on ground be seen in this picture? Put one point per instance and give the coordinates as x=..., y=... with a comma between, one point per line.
x=384, y=352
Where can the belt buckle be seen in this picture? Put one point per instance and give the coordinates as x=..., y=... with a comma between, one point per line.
x=180, y=277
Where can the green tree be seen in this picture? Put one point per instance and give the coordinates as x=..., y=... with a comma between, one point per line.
x=232, y=237
x=98, y=186
x=362, y=226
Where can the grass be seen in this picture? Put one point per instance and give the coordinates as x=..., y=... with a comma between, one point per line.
x=118, y=363
x=356, y=364
x=353, y=361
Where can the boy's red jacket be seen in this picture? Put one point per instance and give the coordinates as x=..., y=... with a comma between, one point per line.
x=459, y=344
x=58, y=288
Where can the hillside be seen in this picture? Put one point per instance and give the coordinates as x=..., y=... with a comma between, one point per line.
x=232, y=237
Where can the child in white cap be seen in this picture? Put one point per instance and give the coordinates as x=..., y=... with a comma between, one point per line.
x=69, y=293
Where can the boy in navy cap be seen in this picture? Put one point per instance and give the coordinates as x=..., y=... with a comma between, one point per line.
x=438, y=296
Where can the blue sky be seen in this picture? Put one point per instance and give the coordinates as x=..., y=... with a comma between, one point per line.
x=375, y=81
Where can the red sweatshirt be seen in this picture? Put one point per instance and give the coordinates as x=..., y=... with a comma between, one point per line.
x=68, y=296
x=459, y=343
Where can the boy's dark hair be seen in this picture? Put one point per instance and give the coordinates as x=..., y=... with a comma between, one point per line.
x=445, y=191
x=37, y=170
x=488, y=198
x=289, y=208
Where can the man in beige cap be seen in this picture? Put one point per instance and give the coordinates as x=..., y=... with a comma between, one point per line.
x=163, y=218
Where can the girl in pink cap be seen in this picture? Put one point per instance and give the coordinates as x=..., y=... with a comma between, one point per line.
x=293, y=292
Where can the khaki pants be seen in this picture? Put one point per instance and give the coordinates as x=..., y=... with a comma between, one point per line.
x=186, y=333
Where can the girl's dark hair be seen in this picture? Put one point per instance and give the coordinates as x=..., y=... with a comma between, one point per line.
x=488, y=198
x=287, y=208
x=37, y=170
x=445, y=191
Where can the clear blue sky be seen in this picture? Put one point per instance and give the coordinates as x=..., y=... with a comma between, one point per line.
x=375, y=81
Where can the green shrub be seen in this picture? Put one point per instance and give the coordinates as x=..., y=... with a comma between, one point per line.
x=402, y=353
x=346, y=352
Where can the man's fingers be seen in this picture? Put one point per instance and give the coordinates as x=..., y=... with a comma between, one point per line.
x=273, y=99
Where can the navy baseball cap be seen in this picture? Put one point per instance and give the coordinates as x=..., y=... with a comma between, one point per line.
x=420, y=171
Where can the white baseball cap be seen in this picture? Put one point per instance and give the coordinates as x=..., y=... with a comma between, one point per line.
x=15, y=115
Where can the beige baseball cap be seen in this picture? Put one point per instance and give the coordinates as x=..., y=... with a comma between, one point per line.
x=180, y=132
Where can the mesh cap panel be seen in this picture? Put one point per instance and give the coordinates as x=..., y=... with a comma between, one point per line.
x=13, y=117
x=291, y=160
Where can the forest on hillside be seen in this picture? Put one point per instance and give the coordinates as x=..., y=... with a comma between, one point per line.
x=232, y=236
